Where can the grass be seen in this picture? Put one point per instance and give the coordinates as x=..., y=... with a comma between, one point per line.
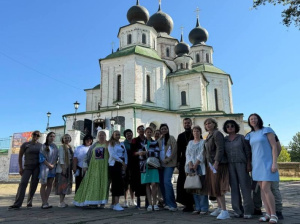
x=287, y=179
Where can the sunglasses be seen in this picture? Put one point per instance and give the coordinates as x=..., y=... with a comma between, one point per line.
x=230, y=126
x=35, y=134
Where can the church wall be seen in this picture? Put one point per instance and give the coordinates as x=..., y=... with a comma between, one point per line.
x=157, y=72
x=223, y=86
x=92, y=99
x=191, y=84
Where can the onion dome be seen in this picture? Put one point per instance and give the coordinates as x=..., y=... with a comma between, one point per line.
x=138, y=14
x=182, y=48
x=198, y=35
x=161, y=22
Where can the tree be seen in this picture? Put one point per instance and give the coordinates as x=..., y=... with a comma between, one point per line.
x=290, y=15
x=284, y=155
x=295, y=148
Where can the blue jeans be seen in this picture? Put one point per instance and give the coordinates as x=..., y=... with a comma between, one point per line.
x=168, y=187
x=201, y=202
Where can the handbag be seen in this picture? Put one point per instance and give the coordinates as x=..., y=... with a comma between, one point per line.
x=192, y=181
x=153, y=161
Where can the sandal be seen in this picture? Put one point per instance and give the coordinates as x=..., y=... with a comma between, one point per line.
x=265, y=218
x=273, y=219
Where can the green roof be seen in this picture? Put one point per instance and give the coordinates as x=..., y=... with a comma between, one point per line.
x=144, y=51
x=199, y=69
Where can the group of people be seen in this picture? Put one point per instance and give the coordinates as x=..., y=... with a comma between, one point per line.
x=144, y=166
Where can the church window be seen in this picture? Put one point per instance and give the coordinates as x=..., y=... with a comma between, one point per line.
x=168, y=52
x=129, y=37
x=207, y=57
x=186, y=65
x=183, y=98
x=181, y=66
x=119, y=86
x=148, y=89
x=144, y=38
x=216, y=100
x=197, y=58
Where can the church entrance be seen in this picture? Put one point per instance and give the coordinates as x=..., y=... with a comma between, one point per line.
x=98, y=124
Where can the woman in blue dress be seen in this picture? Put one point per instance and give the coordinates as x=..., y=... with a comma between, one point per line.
x=264, y=163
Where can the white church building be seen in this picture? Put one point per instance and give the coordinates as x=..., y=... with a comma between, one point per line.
x=154, y=78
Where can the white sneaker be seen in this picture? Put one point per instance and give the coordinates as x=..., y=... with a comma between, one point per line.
x=118, y=207
x=216, y=212
x=133, y=203
x=224, y=215
x=211, y=205
x=166, y=207
x=149, y=209
x=156, y=208
x=125, y=204
x=173, y=209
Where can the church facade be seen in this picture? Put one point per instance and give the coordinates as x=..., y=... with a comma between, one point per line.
x=154, y=78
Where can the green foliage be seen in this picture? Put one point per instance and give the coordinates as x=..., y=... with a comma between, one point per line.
x=295, y=148
x=289, y=15
x=284, y=155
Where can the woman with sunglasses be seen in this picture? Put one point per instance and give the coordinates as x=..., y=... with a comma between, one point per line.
x=48, y=161
x=264, y=163
x=239, y=165
x=31, y=169
x=217, y=177
x=64, y=177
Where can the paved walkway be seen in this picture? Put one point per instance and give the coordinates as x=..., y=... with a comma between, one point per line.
x=290, y=194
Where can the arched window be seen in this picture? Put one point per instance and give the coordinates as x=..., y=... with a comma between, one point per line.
x=186, y=65
x=216, y=100
x=119, y=87
x=168, y=52
x=144, y=38
x=197, y=58
x=148, y=89
x=181, y=66
x=183, y=98
x=129, y=37
x=207, y=57
x=154, y=44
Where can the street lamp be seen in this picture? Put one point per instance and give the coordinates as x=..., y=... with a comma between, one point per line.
x=48, y=115
x=118, y=107
x=76, y=105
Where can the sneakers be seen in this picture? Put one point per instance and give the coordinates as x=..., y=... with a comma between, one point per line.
x=195, y=212
x=211, y=205
x=149, y=209
x=62, y=205
x=279, y=215
x=247, y=216
x=204, y=213
x=216, y=212
x=125, y=204
x=223, y=215
x=155, y=208
x=13, y=207
x=118, y=207
x=166, y=207
x=29, y=206
x=173, y=209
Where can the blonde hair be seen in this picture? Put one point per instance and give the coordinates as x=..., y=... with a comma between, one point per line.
x=112, y=141
x=66, y=148
x=212, y=121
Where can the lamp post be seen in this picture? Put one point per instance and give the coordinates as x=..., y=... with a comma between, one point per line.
x=48, y=115
x=76, y=105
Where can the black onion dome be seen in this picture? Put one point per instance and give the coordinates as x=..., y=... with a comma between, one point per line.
x=198, y=35
x=137, y=13
x=161, y=22
x=182, y=48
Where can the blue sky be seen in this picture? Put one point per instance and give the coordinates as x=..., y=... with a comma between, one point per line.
x=49, y=53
